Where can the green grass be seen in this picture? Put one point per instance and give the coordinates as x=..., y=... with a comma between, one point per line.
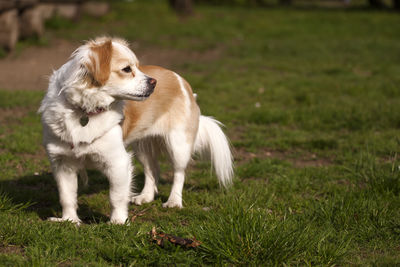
x=311, y=103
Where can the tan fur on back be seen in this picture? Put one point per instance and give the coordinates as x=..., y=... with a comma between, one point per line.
x=164, y=106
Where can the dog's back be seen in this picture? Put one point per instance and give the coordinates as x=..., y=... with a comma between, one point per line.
x=170, y=106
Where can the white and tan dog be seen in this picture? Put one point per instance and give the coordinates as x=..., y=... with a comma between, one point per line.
x=87, y=123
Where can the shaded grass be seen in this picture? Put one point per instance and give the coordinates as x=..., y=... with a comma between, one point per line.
x=301, y=82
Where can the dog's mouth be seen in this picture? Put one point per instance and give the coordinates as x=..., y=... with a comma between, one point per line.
x=141, y=96
x=135, y=97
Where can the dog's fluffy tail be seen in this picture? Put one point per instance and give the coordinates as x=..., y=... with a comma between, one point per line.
x=212, y=143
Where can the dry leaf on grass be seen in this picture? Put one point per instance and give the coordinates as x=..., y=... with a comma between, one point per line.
x=160, y=238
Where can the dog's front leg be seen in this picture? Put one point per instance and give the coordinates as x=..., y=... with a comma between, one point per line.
x=67, y=183
x=120, y=190
x=118, y=168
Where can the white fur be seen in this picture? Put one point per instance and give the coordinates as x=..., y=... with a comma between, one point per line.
x=211, y=141
x=184, y=92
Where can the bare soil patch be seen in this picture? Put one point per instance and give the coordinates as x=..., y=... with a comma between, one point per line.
x=30, y=69
x=304, y=160
x=10, y=249
x=12, y=114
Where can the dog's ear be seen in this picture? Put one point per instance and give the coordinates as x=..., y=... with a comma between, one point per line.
x=99, y=62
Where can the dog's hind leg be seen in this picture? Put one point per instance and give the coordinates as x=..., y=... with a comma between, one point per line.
x=146, y=154
x=180, y=150
x=67, y=183
x=84, y=177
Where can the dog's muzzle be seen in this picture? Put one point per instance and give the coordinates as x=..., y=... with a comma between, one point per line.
x=150, y=85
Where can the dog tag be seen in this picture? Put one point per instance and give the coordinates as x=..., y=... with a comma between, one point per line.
x=84, y=120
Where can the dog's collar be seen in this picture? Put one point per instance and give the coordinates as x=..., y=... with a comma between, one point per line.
x=95, y=112
x=84, y=119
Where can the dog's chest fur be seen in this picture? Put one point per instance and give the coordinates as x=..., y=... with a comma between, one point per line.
x=63, y=129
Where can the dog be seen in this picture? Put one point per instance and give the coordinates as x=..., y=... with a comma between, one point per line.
x=101, y=103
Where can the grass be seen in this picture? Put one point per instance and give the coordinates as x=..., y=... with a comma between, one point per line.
x=311, y=103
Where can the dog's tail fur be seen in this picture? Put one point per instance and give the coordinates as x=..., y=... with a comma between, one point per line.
x=212, y=143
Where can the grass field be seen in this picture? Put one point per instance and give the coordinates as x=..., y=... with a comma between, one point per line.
x=311, y=103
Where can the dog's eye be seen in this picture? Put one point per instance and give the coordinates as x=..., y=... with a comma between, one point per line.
x=127, y=69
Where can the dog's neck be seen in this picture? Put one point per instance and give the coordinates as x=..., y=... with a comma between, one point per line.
x=89, y=101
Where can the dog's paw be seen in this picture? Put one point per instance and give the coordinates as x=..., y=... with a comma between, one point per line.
x=173, y=204
x=73, y=220
x=119, y=216
x=142, y=198
x=119, y=221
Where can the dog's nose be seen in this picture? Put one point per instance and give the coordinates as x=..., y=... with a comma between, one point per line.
x=152, y=82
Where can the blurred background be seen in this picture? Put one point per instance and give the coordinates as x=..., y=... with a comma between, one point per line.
x=20, y=19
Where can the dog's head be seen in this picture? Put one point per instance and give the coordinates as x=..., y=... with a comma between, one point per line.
x=109, y=66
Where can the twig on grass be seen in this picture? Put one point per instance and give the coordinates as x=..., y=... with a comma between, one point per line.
x=140, y=213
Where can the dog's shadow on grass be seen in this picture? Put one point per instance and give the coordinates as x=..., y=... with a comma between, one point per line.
x=41, y=194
